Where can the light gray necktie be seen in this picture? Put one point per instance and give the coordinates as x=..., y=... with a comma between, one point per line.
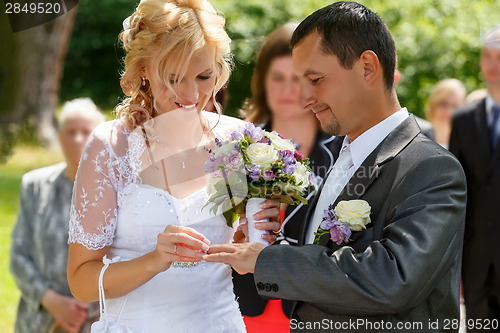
x=334, y=183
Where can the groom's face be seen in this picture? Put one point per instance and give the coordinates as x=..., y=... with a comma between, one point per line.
x=329, y=90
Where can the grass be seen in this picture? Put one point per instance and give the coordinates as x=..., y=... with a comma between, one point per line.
x=24, y=159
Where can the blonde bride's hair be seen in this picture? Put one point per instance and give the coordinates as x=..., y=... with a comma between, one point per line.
x=171, y=31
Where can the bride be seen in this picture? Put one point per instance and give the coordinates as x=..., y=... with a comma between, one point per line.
x=140, y=189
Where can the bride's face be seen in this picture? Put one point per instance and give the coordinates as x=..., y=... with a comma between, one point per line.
x=190, y=92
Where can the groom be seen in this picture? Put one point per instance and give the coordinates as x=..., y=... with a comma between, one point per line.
x=401, y=274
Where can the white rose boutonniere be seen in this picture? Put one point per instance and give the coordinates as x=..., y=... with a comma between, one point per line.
x=347, y=216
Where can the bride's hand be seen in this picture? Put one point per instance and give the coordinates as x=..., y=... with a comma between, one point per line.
x=177, y=243
x=270, y=210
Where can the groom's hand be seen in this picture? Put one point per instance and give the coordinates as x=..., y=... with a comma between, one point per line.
x=241, y=256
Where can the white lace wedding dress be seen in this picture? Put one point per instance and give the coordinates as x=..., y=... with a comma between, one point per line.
x=111, y=207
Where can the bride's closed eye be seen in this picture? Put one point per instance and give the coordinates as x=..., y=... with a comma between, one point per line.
x=205, y=76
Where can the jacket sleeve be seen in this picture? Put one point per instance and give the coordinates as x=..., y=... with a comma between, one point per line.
x=421, y=241
x=23, y=267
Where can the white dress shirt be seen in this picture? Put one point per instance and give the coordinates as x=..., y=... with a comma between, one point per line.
x=489, y=113
x=360, y=149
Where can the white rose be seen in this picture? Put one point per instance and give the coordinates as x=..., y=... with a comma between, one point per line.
x=301, y=175
x=262, y=154
x=354, y=212
x=281, y=144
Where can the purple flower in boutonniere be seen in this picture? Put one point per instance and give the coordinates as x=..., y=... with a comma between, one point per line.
x=340, y=221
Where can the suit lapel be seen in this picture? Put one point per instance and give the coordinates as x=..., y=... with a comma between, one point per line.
x=368, y=172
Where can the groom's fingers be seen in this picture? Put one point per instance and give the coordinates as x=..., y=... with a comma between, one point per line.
x=223, y=257
x=222, y=248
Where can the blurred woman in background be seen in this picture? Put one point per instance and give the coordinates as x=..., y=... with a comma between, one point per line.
x=275, y=105
x=39, y=252
x=446, y=96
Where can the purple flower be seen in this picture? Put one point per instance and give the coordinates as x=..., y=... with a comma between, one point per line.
x=210, y=166
x=289, y=168
x=339, y=233
x=298, y=155
x=287, y=156
x=268, y=175
x=253, y=171
x=236, y=135
x=255, y=134
x=233, y=160
x=218, y=142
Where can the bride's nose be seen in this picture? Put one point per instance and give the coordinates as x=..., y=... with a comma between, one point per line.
x=190, y=94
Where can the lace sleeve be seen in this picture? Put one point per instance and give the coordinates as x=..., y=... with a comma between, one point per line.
x=94, y=205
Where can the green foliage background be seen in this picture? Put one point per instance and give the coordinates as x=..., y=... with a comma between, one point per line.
x=436, y=39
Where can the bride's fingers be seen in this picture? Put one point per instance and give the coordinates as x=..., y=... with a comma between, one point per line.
x=271, y=226
x=183, y=252
x=190, y=231
x=270, y=238
x=182, y=239
x=270, y=203
x=273, y=214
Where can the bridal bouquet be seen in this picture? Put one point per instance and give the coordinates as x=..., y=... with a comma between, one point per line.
x=255, y=163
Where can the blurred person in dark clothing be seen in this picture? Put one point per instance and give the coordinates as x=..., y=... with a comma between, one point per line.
x=475, y=142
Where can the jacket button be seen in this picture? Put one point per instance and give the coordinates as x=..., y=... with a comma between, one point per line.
x=274, y=286
x=260, y=286
x=267, y=286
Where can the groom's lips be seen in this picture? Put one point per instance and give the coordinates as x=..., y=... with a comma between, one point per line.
x=318, y=112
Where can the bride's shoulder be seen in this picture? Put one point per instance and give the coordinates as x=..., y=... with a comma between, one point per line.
x=110, y=135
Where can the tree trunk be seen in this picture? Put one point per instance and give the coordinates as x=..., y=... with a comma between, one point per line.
x=31, y=68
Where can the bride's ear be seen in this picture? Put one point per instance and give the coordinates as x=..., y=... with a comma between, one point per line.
x=142, y=72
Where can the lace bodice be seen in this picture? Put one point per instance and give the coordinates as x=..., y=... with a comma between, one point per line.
x=107, y=176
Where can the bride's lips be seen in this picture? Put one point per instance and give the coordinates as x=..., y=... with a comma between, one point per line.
x=186, y=106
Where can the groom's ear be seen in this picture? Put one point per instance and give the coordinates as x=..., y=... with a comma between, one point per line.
x=371, y=66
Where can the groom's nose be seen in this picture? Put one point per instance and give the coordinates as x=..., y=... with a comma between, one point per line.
x=308, y=99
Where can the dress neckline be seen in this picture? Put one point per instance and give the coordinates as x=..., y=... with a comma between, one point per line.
x=151, y=187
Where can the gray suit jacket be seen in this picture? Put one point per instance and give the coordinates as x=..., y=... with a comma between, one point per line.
x=404, y=269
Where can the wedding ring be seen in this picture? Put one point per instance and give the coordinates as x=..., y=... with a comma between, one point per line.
x=277, y=233
x=175, y=249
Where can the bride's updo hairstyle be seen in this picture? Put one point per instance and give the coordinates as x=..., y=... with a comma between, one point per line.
x=171, y=32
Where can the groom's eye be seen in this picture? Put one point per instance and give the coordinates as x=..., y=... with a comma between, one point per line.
x=314, y=80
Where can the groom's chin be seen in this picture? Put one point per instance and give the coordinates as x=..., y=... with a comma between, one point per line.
x=332, y=128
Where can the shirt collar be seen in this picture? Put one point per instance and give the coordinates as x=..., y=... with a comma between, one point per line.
x=490, y=102
x=366, y=143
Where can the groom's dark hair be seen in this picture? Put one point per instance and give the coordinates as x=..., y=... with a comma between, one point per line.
x=347, y=30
